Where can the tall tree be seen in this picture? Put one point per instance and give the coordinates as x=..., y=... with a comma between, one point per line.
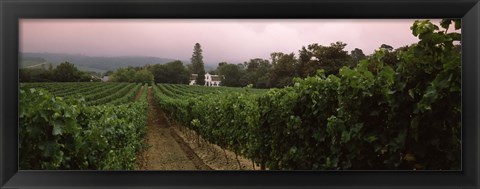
x=197, y=64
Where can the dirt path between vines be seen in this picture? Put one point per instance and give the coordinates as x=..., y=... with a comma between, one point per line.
x=139, y=93
x=166, y=150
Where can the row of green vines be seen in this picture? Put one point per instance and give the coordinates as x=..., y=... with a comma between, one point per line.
x=65, y=133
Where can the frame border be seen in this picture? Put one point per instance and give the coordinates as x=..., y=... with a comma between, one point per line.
x=12, y=10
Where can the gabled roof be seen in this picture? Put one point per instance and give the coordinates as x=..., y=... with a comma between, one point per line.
x=216, y=78
x=193, y=77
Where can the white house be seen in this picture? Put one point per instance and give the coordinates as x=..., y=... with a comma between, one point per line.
x=193, y=77
x=105, y=78
x=210, y=80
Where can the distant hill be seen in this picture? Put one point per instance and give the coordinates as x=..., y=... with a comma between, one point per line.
x=88, y=63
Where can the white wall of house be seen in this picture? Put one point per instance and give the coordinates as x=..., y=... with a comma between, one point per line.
x=105, y=78
x=212, y=83
x=208, y=81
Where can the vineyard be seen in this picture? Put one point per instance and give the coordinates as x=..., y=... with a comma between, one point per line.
x=97, y=126
x=94, y=126
x=371, y=116
x=354, y=121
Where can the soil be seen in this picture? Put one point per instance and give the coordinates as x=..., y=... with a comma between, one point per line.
x=165, y=150
x=170, y=146
x=139, y=93
x=214, y=156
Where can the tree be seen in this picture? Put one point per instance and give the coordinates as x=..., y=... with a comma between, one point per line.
x=231, y=74
x=282, y=72
x=222, y=63
x=329, y=58
x=387, y=47
x=390, y=56
x=304, y=56
x=255, y=72
x=143, y=76
x=122, y=75
x=107, y=73
x=177, y=72
x=132, y=74
x=35, y=75
x=357, y=55
x=197, y=64
x=66, y=72
x=50, y=67
x=88, y=77
x=172, y=72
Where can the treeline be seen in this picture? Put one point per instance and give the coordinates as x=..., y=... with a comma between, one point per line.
x=173, y=72
x=65, y=72
x=277, y=72
x=132, y=75
x=280, y=70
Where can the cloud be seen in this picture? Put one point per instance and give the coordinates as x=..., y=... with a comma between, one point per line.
x=233, y=41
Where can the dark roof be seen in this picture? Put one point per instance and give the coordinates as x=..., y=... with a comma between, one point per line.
x=193, y=77
x=216, y=78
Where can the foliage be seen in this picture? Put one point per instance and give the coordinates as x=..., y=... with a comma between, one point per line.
x=197, y=64
x=357, y=55
x=65, y=133
x=35, y=75
x=132, y=75
x=64, y=72
x=91, y=63
x=231, y=75
x=255, y=72
x=393, y=110
x=329, y=58
x=143, y=76
x=386, y=47
x=281, y=75
x=123, y=75
x=371, y=116
x=172, y=72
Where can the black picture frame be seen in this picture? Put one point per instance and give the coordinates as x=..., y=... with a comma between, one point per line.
x=12, y=10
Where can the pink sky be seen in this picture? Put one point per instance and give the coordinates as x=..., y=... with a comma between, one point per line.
x=229, y=40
